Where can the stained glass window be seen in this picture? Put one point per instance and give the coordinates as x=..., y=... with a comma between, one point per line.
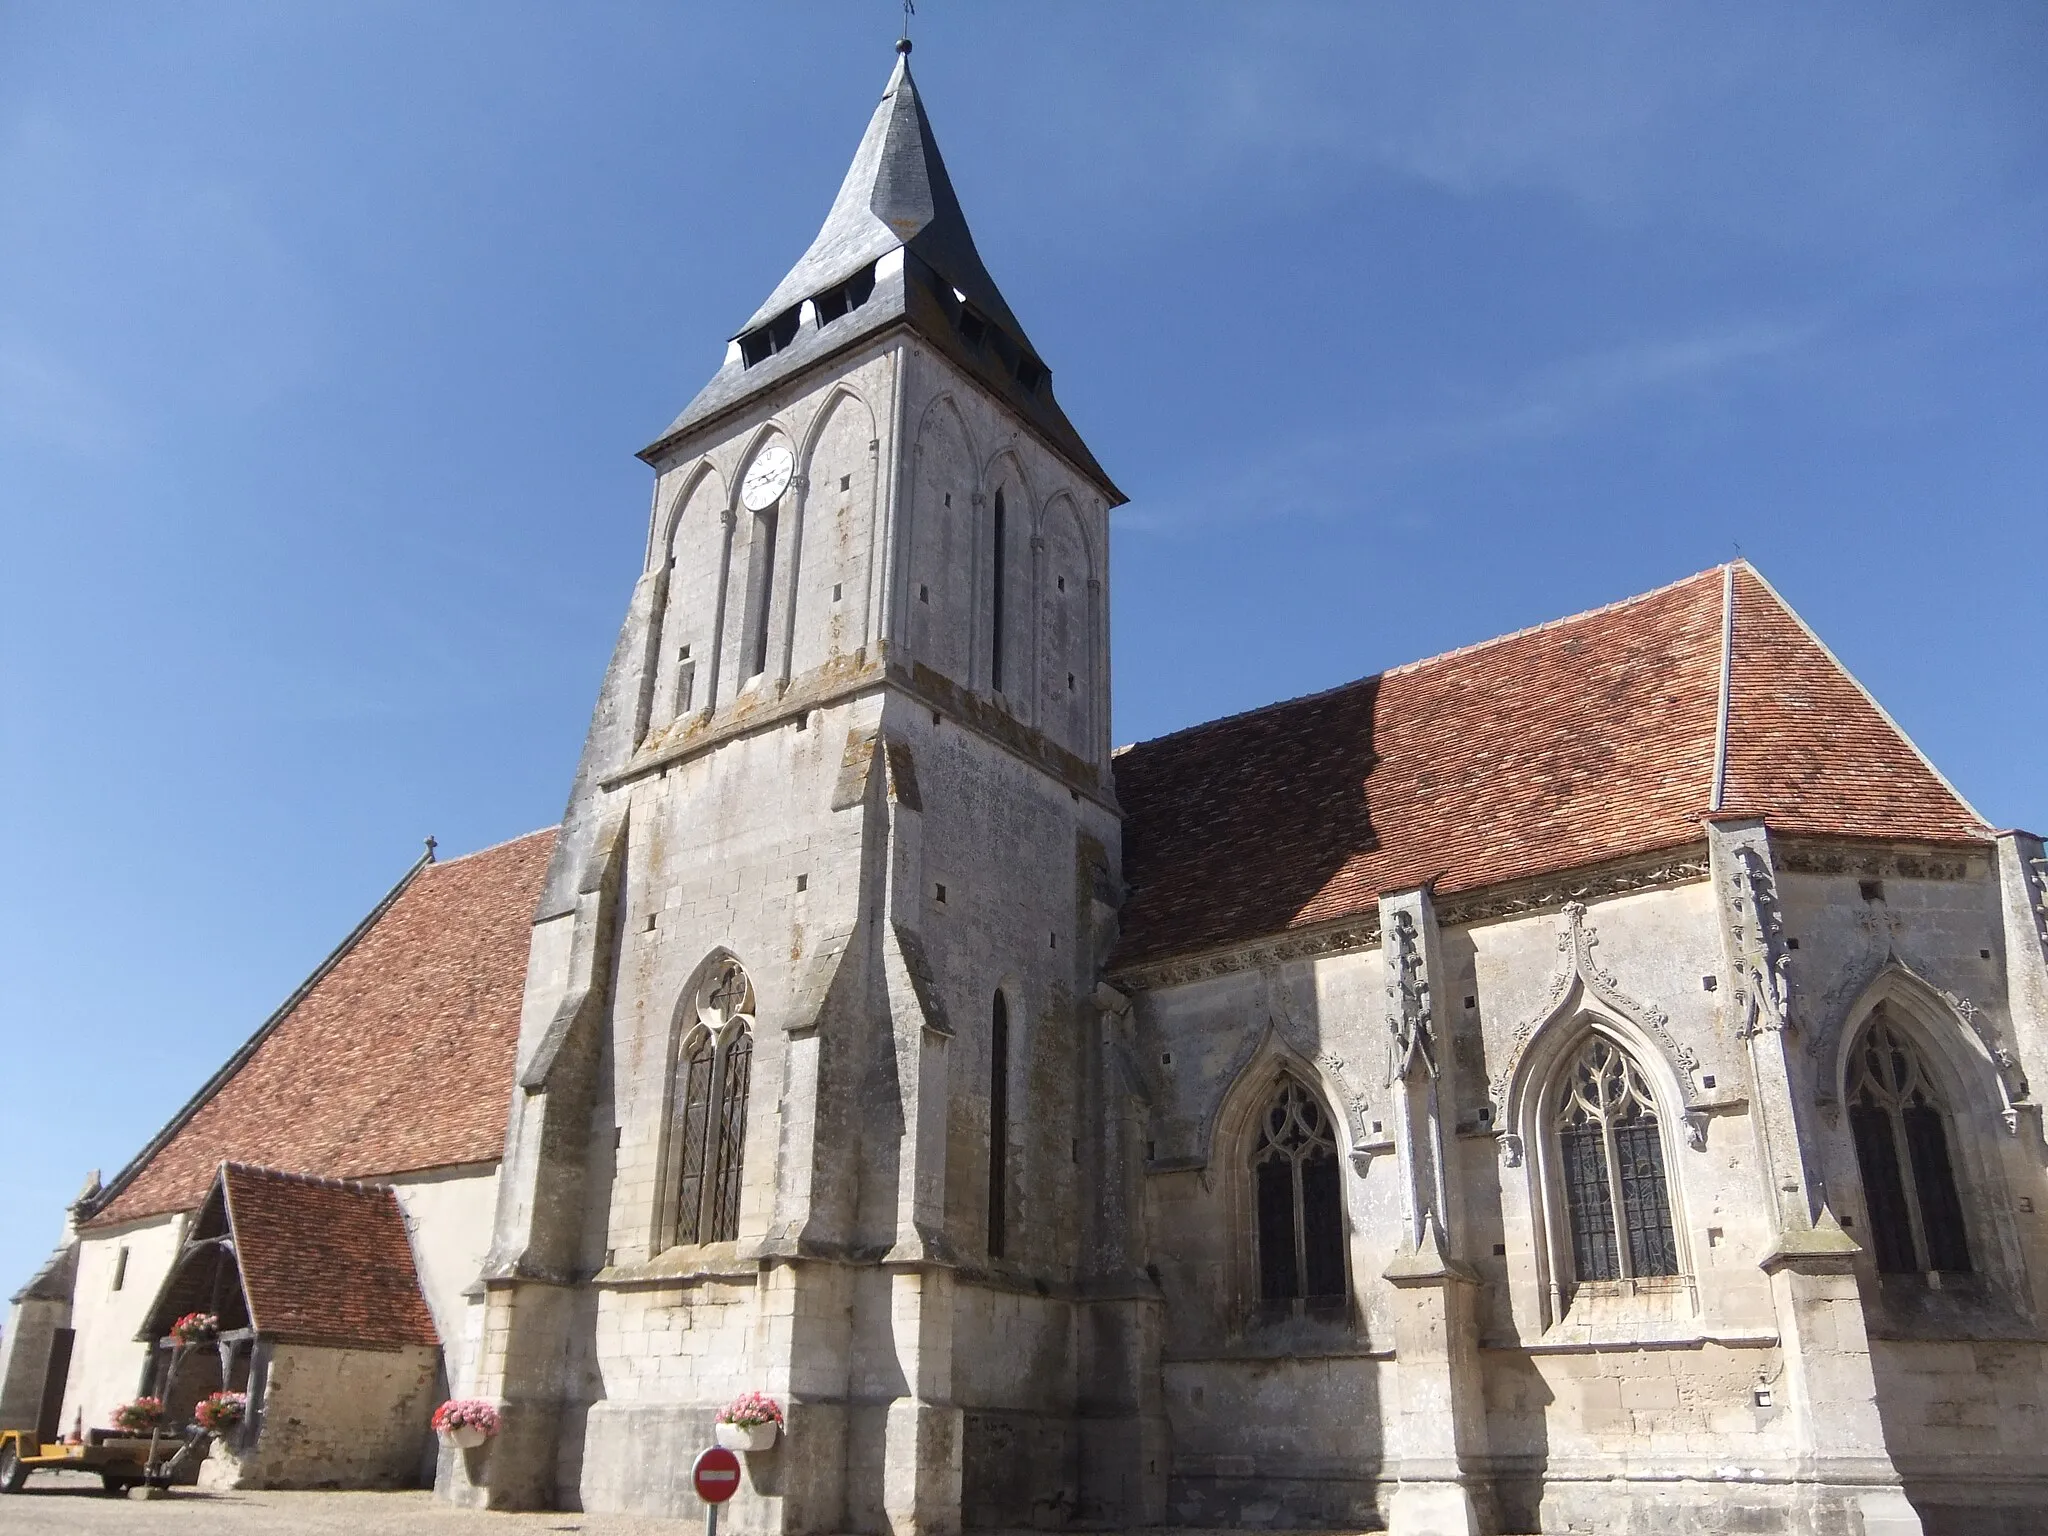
x=1900, y=1127
x=708, y=1114
x=1610, y=1147
x=1298, y=1200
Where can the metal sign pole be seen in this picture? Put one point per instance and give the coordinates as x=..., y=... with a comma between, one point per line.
x=710, y=1520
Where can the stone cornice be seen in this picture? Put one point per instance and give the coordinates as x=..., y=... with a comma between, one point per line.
x=850, y=677
x=1549, y=893
x=1881, y=860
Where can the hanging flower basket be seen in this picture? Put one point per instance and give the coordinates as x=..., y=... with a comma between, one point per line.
x=140, y=1416
x=751, y=1422
x=196, y=1328
x=221, y=1412
x=467, y=1421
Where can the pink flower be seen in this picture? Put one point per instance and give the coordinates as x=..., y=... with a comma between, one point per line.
x=751, y=1408
x=466, y=1413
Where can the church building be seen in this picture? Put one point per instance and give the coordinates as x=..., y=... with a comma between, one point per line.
x=1579, y=1082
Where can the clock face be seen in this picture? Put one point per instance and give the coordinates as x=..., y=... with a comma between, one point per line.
x=767, y=477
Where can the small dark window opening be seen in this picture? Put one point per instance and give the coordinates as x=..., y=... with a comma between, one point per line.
x=846, y=482
x=1298, y=1204
x=1006, y=351
x=763, y=342
x=998, y=1125
x=120, y=1268
x=973, y=329
x=1873, y=890
x=842, y=297
x=996, y=604
x=1030, y=373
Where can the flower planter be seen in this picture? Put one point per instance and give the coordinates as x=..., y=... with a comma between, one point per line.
x=747, y=1437
x=467, y=1437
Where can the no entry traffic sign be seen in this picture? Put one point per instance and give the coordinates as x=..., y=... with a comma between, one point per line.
x=716, y=1474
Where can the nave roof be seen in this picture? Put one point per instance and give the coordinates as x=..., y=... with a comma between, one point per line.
x=395, y=1056
x=1579, y=742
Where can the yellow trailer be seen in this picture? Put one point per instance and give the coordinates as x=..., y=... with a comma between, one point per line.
x=122, y=1460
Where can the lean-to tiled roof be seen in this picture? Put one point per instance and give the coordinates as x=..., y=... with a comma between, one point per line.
x=1573, y=744
x=396, y=1056
x=325, y=1261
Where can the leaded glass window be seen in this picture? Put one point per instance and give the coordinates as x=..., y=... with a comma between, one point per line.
x=1298, y=1202
x=708, y=1111
x=1611, y=1164
x=1900, y=1127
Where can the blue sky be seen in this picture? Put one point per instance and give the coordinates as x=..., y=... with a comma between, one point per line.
x=327, y=334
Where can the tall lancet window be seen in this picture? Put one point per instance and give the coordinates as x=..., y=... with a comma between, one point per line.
x=767, y=477
x=1901, y=1132
x=760, y=590
x=1298, y=1201
x=995, y=668
x=707, y=1131
x=998, y=1126
x=1611, y=1155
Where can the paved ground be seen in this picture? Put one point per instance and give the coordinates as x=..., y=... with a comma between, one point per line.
x=72, y=1503
x=69, y=1502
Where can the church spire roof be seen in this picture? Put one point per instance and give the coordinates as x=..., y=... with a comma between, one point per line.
x=896, y=193
x=894, y=250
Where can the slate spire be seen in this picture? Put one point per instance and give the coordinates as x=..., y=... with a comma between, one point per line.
x=896, y=192
x=894, y=250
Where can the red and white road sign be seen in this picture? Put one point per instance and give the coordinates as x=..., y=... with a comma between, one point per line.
x=716, y=1474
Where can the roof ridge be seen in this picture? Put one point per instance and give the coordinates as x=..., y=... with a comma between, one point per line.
x=477, y=853
x=318, y=1180
x=1570, y=618
x=1429, y=661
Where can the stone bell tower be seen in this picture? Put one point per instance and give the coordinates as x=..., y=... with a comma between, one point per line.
x=810, y=1070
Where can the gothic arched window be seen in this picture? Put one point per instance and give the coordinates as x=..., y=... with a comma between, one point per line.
x=1298, y=1202
x=1610, y=1157
x=707, y=1130
x=1901, y=1131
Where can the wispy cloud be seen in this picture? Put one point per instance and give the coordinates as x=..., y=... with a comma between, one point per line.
x=1336, y=474
x=1896, y=140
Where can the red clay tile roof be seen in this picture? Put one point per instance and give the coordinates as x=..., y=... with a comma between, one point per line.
x=1572, y=744
x=1810, y=751
x=398, y=1058
x=325, y=1262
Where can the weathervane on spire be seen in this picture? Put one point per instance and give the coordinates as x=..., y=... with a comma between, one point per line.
x=909, y=10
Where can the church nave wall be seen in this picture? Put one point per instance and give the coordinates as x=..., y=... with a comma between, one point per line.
x=1287, y=1442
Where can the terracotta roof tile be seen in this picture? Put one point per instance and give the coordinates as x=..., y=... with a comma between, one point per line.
x=1810, y=751
x=398, y=1058
x=324, y=1261
x=1572, y=744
